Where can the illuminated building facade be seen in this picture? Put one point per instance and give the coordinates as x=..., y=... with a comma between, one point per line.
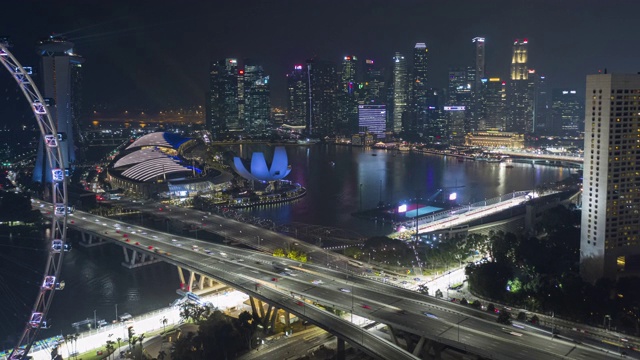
x=494, y=104
x=298, y=95
x=460, y=94
x=610, y=228
x=372, y=119
x=348, y=95
x=323, y=89
x=323, y=85
x=419, y=87
x=257, y=99
x=400, y=91
x=374, y=84
x=61, y=79
x=519, y=93
x=222, y=100
x=567, y=112
x=494, y=138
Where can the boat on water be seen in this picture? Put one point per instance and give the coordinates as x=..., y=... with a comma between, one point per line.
x=374, y=154
x=509, y=166
x=404, y=148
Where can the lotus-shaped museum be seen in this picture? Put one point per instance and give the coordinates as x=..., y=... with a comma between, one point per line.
x=260, y=171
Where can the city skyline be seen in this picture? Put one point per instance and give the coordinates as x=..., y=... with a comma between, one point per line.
x=125, y=42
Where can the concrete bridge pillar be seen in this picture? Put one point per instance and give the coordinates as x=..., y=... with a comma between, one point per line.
x=392, y=334
x=341, y=352
x=89, y=240
x=195, y=281
x=432, y=346
x=134, y=258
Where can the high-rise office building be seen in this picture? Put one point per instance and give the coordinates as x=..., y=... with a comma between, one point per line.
x=373, y=86
x=372, y=119
x=460, y=95
x=61, y=70
x=479, y=59
x=348, y=96
x=567, y=112
x=323, y=89
x=420, y=88
x=298, y=95
x=400, y=91
x=493, y=107
x=476, y=108
x=436, y=128
x=541, y=103
x=222, y=100
x=610, y=228
x=519, y=92
x=257, y=99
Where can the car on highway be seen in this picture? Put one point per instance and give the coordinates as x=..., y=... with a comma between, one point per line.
x=137, y=243
x=345, y=290
x=207, y=251
x=317, y=282
x=274, y=279
x=365, y=306
x=430, y=315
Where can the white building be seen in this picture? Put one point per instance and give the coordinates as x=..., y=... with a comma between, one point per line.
x=610, y=230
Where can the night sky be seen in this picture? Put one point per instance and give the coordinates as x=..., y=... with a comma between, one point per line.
x=156, y=54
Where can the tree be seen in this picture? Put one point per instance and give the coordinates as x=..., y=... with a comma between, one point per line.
x=464, y=301
x=438, y=294
x=534, y=319
x=476, y=304
x=279, y=252
x=522, y=316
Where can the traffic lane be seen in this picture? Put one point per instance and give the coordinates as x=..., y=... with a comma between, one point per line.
x=102, y=223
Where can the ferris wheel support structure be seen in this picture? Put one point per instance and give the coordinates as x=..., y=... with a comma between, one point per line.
x=56, y=244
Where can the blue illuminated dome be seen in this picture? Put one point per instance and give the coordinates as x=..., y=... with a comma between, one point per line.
x=259, y=169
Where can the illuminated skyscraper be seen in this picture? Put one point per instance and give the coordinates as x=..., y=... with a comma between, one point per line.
x=348, y=99
x=222, y=104
x=298, y=95
x=476, y=110
x=610, y=228
x=567, y=112
x=494, y=101
x=519, y=70
x=373, y=86
x=400, y=91
x=460, y=91
x=479, y=57
x=420, y=87
x=520, y=91
x=323, y=89
x=257, y=99
x=60, y=86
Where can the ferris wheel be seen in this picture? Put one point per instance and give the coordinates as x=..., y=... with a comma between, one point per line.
x=56, y=243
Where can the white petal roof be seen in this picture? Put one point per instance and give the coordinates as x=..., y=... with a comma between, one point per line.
x=153, y=168
x=138, y=157
x=163, y=139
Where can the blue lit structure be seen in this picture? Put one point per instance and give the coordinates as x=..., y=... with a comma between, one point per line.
x=260, y=171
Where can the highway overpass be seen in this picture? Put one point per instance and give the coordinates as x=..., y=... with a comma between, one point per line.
x=432, y=321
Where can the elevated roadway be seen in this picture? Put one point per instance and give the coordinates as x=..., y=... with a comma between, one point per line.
x=253, y=273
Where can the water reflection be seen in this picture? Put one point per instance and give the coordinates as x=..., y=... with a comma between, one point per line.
x=334, y=190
